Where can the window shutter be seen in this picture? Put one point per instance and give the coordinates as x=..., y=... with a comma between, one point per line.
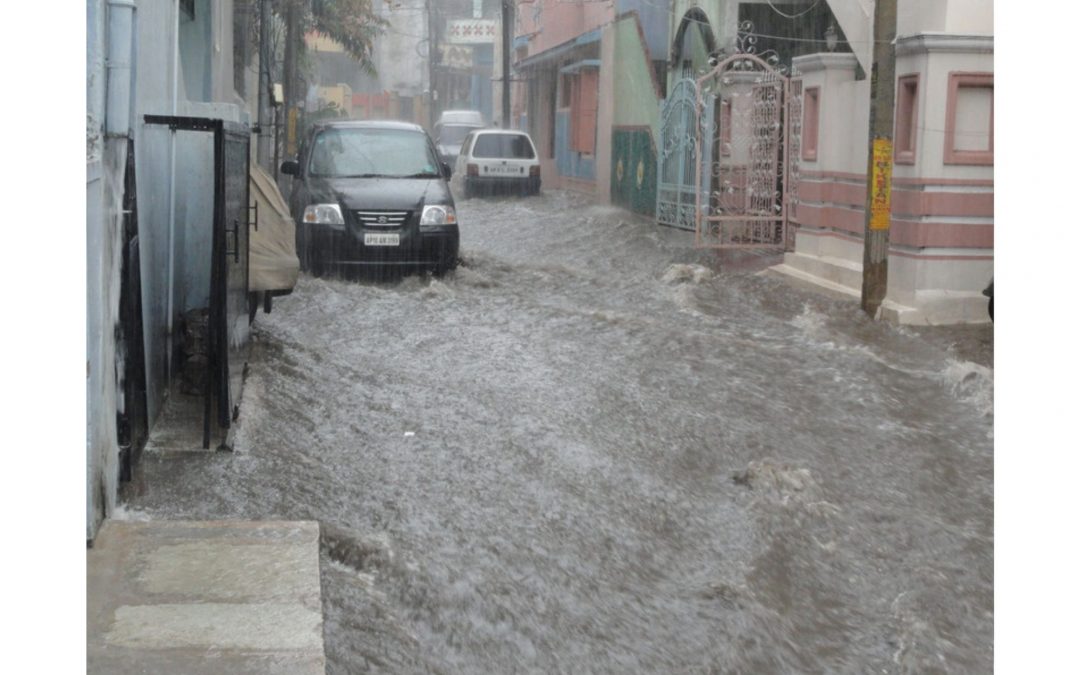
x=585, y=112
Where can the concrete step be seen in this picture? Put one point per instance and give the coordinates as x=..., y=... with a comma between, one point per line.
x=815, y=281
x=204, y=597
x=837, y=271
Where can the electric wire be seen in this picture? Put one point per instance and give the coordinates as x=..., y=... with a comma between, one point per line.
x=793, y=16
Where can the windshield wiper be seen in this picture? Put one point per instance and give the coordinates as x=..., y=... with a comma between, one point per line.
x=422, y=174
x=366, y=175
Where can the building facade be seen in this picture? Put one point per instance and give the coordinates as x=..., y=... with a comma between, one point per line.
x=588, y=83
x=591, y=80
x=150, y=194
x=942, y=226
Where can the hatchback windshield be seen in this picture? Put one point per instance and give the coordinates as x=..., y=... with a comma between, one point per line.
x=394, y=153
x=503, y=146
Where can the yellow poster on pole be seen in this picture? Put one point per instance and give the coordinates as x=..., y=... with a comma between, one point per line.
x=881, y=185
x=290, y=133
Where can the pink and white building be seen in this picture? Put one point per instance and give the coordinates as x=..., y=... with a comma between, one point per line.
x=941, y=252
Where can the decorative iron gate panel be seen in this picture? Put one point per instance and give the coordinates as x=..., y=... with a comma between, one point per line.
x=749, y=115
x=676, y=165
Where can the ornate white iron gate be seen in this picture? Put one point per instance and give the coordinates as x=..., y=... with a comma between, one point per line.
x=750, y=115
x=676, y=163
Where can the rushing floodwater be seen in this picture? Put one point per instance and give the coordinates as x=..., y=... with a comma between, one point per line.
x=593, y=449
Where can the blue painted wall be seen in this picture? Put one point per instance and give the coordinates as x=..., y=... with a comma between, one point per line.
x=480, y=87
x=568, y=162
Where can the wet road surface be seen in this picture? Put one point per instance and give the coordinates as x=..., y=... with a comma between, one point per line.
x=594, y=449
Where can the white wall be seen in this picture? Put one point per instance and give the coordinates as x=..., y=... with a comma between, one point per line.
x=970, y=17
x=843, y=115
x=100, y=387
x=963, y=17
x=155, y=88
x=174, y=236
x=920, y=16
x=933, y=69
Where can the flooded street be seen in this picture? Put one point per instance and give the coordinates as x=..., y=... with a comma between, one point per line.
x=592, y=448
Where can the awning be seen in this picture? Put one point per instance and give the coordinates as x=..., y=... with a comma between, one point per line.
x=558, y=50
x=580, y=65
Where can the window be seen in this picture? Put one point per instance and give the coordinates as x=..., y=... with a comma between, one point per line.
x=363, y=152
x=969, y=119
x=725, y=126
x=811, y=116
x=503, y=146
x=583, y=111
x=907, y=117
x=453, y=134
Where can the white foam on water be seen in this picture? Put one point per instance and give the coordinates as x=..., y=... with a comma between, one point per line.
x=787, y=485
x=685, y=300
x=436, y=289
x=125, y=513
x=971, y=383
x=466, y=276
x=810, y=322
x=694, y=274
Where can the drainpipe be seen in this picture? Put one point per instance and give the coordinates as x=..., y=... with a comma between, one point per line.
x=266, y=87
x=119, y=89
x=172, y=200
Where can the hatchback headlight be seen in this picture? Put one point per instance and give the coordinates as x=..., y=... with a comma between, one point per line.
x=438, y=214
x=323, y=214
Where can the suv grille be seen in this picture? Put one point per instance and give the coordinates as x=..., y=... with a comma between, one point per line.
x=381, y=218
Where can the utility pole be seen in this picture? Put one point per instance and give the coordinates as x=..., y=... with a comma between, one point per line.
x=507, y=30
x=292, y=37
x=433, y=52
x=266, y=92
x=879, y=159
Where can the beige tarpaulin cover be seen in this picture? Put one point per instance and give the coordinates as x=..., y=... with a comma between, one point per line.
x=273, y=265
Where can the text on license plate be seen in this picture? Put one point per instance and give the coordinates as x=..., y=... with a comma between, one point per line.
x=381, y=239
x=504, y=169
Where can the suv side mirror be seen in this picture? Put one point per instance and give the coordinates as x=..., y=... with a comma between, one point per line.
x=446, y=170
x=290, y=167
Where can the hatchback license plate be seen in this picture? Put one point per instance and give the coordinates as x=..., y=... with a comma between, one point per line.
x=381, y=239
x=505, y=170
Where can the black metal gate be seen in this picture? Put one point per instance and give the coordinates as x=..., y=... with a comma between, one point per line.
x=228, y=329
x=132, y=426
x=229, y=283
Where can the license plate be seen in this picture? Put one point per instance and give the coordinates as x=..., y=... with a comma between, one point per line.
x=505, y=170
x=381, y=239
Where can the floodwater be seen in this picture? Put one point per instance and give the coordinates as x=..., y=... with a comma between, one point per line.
x=594, y=449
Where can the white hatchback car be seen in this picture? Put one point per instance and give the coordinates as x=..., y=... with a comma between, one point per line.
x=496, y=161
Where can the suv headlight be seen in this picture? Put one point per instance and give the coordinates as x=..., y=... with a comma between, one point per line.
x=323, y=214
x=438, y=214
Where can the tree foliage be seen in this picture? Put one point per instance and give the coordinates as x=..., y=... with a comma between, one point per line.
x=352, y=23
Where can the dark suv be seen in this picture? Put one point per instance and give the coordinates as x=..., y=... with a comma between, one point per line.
x=372, y=194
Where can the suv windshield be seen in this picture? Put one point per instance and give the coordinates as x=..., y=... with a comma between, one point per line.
x=453, y=134
x=393, y=153
x=503, y=146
